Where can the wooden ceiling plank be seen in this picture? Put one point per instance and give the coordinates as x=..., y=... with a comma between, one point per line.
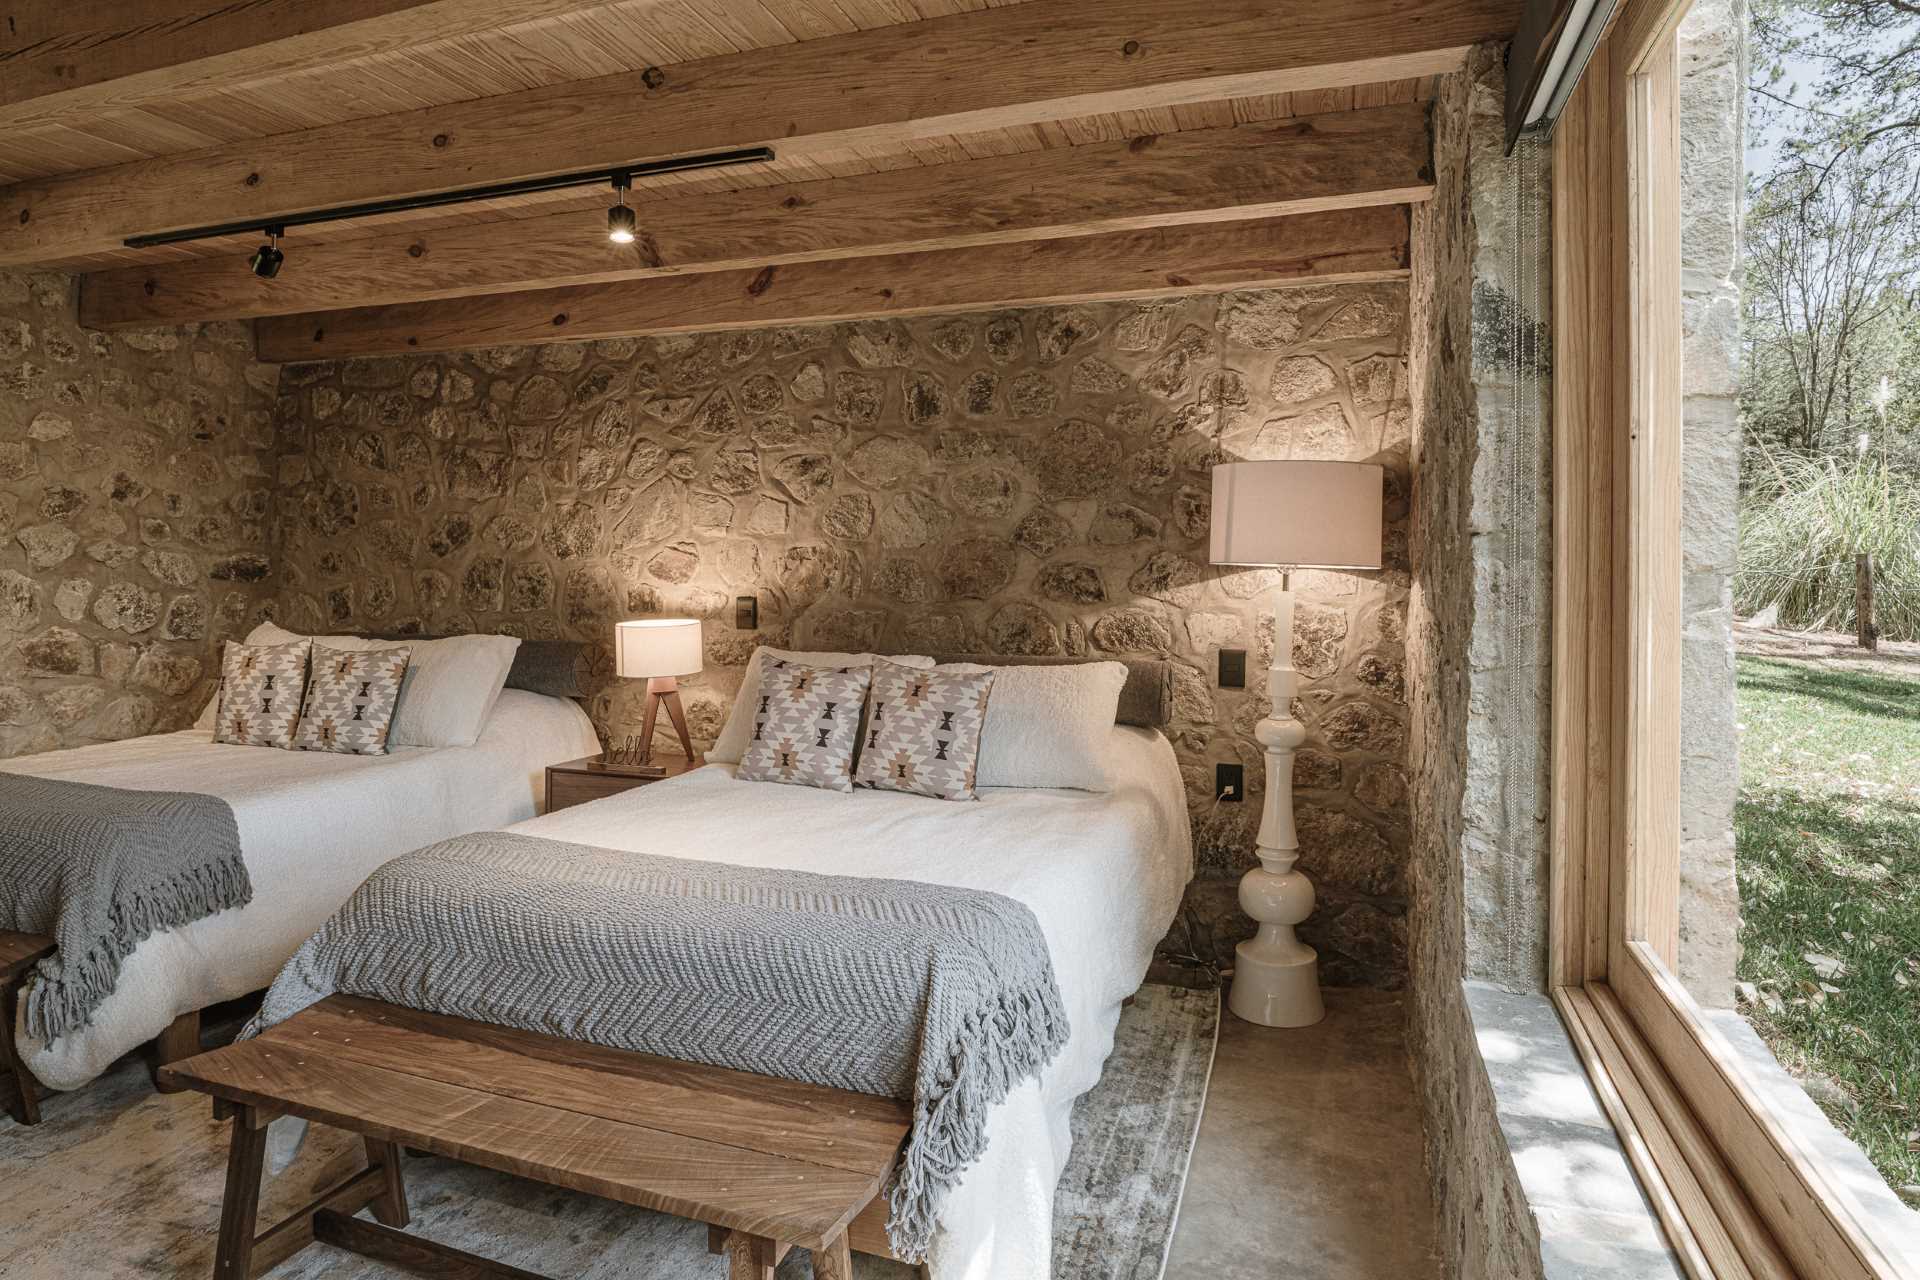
x=61, y=58
x=1200, y=115
x=883, y=13
x=1264, y=106
x=989, y=70
x=814, y=19
x=1312, y=102
x=747, y=25
x=1345, y=160
x=1344, y=245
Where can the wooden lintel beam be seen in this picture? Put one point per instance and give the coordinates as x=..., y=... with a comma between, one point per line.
x=1017, y=65
x=60, y=57
x=1344, y=245
x=1342, y=160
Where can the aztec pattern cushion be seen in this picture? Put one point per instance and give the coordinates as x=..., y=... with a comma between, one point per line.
x=923, y=731
x=351, y=696
x=806, y=725
x=260, y=691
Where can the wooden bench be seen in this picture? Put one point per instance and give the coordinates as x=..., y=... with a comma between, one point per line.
x=769, y=1163
x=18, y=954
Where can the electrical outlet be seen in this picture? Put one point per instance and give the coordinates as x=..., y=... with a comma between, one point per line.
x=746, y=613
x=1233, y=668
x=1230, y=782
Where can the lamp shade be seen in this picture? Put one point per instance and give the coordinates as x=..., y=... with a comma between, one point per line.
x=657, y=647
x=1323, y=515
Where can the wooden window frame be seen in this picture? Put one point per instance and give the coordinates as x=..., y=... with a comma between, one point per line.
x=1737, y=1193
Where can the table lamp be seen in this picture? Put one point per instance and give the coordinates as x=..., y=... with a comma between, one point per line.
x=1287, y=515
x=658, y=650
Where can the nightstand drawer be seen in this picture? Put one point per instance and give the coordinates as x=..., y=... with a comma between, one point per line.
x=580, y=781
x=564, y=789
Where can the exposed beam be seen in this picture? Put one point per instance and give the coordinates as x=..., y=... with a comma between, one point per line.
x=61, y=57
x=1343, y=160
x=997, y=68
x=1349, y=244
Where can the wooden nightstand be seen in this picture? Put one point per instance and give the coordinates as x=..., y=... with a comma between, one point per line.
x=578, y=781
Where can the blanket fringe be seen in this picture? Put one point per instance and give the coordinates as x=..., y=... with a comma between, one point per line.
x=994, y=1049
x=68, y=988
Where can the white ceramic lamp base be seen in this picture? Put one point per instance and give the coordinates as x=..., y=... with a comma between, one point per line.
x=1276, y=977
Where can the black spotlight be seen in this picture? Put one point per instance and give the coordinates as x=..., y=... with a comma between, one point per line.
x=266, y=260
x=622, y=222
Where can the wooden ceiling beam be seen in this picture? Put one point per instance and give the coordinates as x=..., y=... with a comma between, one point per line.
x=62, y=57
x=1345, y=159
x=997, y=68
x=1343, y=245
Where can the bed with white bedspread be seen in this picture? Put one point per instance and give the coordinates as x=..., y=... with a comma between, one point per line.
x=1102, y=873
x=312, y=825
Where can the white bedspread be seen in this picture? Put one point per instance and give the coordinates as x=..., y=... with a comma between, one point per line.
x=1104, y=874
x=312, y=826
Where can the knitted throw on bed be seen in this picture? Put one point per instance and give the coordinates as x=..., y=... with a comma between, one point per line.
x=915, y=991
x=99, y=869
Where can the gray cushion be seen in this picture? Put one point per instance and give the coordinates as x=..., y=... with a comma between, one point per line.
x=1145, y=700
x=539, y=666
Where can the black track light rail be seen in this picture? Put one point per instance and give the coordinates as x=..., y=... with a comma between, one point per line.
x=462, y=195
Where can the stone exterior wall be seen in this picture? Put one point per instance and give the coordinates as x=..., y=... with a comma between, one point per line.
x=136, y=511
x=1479, y=789
x=1713, y=146
x=1027, y=482
x=1462, y=364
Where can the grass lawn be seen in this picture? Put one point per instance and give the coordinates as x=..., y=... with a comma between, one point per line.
x=1828, y=830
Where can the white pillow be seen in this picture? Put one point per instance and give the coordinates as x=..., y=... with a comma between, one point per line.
x=734, y=735
x=450, y=686
x=1048, y=726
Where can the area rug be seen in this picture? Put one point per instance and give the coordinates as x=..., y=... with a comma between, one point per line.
x=121, y=1183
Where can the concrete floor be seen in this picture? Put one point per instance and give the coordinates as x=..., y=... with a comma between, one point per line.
x=1310, y=1162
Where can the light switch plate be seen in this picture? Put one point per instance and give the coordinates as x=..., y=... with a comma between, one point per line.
x=746, y=613
x=1233, y=668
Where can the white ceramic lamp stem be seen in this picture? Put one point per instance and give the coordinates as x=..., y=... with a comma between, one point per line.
x=1276, y=977
x=1273, y=514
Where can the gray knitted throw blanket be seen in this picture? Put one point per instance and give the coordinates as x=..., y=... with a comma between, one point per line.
x=99, y=869
x=893, y=987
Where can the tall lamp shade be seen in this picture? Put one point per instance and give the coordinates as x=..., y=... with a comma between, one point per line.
x=1320, y=514
x=1287, y=514
x=659, y=650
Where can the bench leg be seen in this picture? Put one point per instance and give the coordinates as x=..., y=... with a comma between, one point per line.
x=180, y=1041
x=233, y=1256
x=24, y=1105
x=835, y=1262
x=390, y=1206
x=750, y=1257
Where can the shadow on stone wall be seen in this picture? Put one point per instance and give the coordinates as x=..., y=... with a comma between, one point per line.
x=135, y=517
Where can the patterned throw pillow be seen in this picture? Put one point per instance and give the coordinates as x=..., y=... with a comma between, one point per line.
x=350, y=700
x=923, y=731
x=260, y=690
x=807, y=724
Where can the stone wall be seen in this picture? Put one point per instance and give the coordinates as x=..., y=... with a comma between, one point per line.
x=1023, y=482
x=1463, y=364
x=1712, y=143
x=135, y=508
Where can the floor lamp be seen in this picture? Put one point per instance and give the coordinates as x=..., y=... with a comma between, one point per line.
x=1287, y=515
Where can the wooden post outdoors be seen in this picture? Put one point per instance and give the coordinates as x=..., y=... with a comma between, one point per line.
x=1869, y=635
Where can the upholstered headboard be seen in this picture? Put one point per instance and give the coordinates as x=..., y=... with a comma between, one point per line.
x=539, y=666
x=1145, y=700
